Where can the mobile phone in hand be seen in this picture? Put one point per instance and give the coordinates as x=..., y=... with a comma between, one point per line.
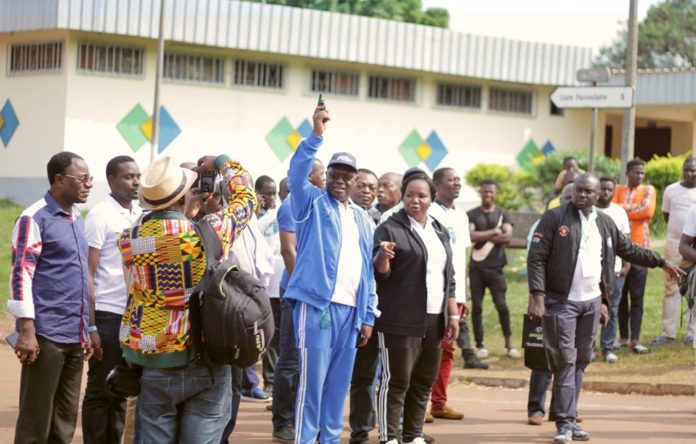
x=208, y=182
x=12, y=339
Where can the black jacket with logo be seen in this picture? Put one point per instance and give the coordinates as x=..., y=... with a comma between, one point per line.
x=402, y=291
x=554, y=248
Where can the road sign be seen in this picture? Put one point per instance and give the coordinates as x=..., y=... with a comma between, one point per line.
x=593, y=75
x=593, y=97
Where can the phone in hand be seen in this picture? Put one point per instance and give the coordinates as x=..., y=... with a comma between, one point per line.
x=12, y=339
x=208, y=182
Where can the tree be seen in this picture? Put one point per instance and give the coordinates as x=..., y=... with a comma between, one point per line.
x=666, y=38
x=409, y=11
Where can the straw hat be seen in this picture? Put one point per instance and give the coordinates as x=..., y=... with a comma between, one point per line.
x=163, y=183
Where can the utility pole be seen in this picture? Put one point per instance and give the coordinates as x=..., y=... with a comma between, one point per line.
x=158, y=83
x=629, y=117
x=593, y=138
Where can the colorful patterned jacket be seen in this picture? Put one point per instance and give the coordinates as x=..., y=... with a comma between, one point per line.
x=166, y=261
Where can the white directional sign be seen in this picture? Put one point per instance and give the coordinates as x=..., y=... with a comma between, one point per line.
x=593, y=97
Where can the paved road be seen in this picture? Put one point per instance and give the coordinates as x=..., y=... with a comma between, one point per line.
x=492, y=416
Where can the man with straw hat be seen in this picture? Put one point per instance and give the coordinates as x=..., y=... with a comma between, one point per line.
x=165, y=260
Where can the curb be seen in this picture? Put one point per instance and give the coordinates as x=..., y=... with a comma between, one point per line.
x=623, y=388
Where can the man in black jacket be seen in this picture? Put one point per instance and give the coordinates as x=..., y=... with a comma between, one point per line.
x=571, y=273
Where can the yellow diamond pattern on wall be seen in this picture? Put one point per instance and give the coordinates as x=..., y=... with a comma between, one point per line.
x=146, y=128
x=423, y=151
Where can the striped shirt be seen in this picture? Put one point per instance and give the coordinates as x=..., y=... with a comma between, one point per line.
x=48, y=279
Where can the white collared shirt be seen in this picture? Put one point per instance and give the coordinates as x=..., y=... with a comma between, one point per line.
x=103, y=226
x=457, y=223
x=588, y=268
x=349, y=266
x=435, y=267
x=620, y=218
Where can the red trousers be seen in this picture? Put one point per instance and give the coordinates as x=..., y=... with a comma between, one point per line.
x=438, y=397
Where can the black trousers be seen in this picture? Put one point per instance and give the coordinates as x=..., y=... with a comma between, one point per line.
x=49, y=392
x=270, y=358
x=409, y=369
x=633, y=291
x=362, y=396
x=103, y=415
x=481, y=278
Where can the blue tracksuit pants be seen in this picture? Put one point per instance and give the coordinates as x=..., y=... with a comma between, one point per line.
x=326, y=344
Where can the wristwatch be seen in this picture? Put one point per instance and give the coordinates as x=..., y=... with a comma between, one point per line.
x=92, y=329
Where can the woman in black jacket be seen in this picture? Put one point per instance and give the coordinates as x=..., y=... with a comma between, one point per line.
x=415, y=285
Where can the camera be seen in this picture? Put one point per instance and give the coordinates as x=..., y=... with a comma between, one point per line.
x=207, y=184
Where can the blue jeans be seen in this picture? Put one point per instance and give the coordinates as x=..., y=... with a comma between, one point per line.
x=538, y=385
x=184, y=404
x=285, y=379
x=608, y=334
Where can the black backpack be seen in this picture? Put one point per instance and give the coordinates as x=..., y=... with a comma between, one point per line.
x=231, y=317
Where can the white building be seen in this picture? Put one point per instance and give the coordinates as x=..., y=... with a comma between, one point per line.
x=241, y=78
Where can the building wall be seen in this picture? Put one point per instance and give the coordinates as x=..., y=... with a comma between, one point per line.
x=217, y=119
x=39, y=103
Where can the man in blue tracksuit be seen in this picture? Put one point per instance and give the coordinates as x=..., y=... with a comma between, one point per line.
x=332, y=286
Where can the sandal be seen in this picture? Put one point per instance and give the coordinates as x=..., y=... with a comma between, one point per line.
x=640, y=349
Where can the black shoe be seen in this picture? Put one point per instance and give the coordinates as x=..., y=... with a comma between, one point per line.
x=284, y=435
x=474, y=362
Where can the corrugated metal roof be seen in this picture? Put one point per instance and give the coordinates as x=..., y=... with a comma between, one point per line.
x=661, y=87
x=308, y=33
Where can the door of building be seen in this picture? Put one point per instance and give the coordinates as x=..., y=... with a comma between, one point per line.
x=652, y=141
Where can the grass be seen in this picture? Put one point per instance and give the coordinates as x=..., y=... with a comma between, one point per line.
x=8, y=214
x=672, y=363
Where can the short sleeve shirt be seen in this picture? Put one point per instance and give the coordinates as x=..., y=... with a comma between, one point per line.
x=676, y=200
x=690, y=223
x=483, y=221
x=287, y=224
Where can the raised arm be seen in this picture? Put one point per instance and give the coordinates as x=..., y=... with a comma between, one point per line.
x=646, y=208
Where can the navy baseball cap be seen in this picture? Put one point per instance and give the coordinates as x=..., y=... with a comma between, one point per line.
x=344, y=158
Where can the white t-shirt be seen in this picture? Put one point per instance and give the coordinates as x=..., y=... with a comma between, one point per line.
x=268, y=225
x=588, y=268
x=690, y=222
x=620, y=218
x=435, y=267
x=457, y=223
x=676, y=200
x=349, y=266
x=103, y=227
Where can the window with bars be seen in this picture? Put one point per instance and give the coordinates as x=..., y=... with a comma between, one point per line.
x=27, y=58
x=392, y=88
x=110, y=59
x=194, y=68
x=258, y=74
x=510, y=101
x=335, y=82
x=459, y=95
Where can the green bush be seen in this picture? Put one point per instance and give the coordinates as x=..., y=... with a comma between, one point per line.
x=511, y=192
x=660, y=172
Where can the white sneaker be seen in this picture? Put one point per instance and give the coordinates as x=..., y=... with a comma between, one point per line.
x=611, y=358
x=416, y=440
x=514, y=353
x=482, y=353
x=392, y=441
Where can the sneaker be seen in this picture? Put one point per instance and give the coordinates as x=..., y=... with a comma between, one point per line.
x=475, y=362
x=579, y=434
x=285, y=435
x=482, y=353
x=416, y=440
x=610, y=357
x=662, y=339
x=640, y=349
x=535, y=419
x=513, y=353
x=255, y=395
x=391, y=441
x=563, y=436
x=429, y=418
x=446, y=413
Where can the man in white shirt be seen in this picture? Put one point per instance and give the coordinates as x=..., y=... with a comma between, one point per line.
x=620, y=218
x=676, y=201
x=447, y=187
x=103, y=414
x=687, y=250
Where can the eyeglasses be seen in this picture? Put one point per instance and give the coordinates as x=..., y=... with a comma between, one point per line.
x=81, y=179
